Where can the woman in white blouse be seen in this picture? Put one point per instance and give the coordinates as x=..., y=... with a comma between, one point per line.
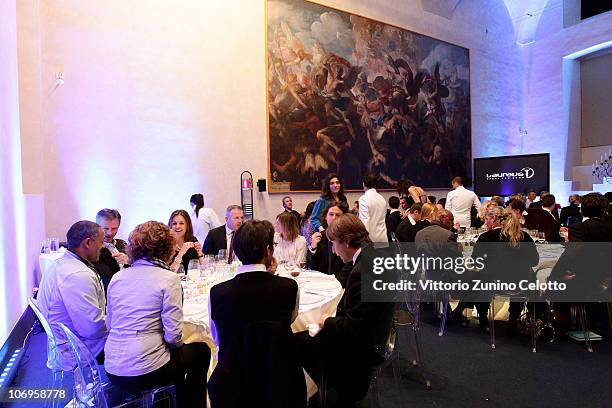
x=145, y=319
x=204, y=219
x=289, y=245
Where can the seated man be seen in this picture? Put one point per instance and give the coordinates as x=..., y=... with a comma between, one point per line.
x=571, y=213
x=407, y=229
x=255, y=294
x=112, y=256
x=71, y=292
x=345, y=346
x=221, y=237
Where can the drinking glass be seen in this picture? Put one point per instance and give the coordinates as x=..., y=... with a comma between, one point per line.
x=222, y=256
x=44, y=246
x=54, y=244
x=193, y=269
x=541, y=237
x=209, y=261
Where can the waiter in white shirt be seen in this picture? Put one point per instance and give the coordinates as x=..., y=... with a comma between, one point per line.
x=460, y=202
x=373, y=209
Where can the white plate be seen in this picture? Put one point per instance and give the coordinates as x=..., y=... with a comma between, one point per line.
x=325, y=285
x=310, y=298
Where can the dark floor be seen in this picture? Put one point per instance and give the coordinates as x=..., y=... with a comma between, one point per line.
x=463, y=369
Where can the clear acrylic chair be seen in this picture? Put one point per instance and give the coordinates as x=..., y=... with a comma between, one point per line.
x=58, y=368
x=531, y=314
x=389, y=352
x=89, y=391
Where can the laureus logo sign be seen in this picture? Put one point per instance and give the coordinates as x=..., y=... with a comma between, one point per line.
x=524, y=173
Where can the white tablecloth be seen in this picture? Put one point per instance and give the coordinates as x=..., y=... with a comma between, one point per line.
x=46, y=260
x=319, y=294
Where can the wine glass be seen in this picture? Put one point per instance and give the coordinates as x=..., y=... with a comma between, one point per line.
x=541, y=237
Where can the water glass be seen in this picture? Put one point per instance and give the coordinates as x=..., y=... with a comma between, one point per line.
x=54, y=245
x=193, y=269
x=209, y=261
x=541, y=237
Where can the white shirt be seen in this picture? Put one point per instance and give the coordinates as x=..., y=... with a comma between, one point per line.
x=71, y=293
x=411, y=220
x=204, y=222
x=372, y=212
x=246, y=269
x=145, y=317
x=460, y=202
x=290, y=251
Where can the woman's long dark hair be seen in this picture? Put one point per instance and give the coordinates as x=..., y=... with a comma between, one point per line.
x=307, y=213
x=198, y=200
x=325, y=191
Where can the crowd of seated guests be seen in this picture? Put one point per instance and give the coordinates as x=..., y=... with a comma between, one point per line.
x=139, y=338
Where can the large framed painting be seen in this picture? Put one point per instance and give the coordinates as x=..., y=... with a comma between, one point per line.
x=349, y=95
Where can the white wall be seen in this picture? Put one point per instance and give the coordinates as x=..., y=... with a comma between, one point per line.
x=164, y=100
x=552, y=113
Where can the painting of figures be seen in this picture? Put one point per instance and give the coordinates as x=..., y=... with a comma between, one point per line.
x=350, y=95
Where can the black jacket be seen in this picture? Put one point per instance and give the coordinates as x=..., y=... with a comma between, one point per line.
x=215, y=240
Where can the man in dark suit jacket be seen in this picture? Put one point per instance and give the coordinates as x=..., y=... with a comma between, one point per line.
x=544, y=219
x=409, y=226
x=581, y=266
x=394, y=217
x=288, y=207
x=572, y=210
x=255, y=294
x=220, y=237
x=113, y=255
x=345, y=348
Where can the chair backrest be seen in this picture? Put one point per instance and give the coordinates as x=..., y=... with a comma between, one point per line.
x=88, y=389
x=258, y=368
x=54, y=360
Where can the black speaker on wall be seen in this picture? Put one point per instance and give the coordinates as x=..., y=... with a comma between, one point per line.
x=261, y=185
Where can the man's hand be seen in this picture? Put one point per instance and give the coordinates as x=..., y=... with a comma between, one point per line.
x=121, y=258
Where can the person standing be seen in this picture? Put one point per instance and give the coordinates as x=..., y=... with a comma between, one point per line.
x=332, y=189
x=204, y=219
x=373, y=209
x=460, y=202
x=288, y=207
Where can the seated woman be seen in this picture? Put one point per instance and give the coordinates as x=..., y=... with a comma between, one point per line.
x=320, y=256
x=187, y=245
x=145, y=319
x=290, y=246
x=511, y=262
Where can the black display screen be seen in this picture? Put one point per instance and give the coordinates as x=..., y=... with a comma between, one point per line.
x=507, y=175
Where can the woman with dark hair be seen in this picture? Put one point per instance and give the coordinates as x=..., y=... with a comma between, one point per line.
x=187, y=246
x=145, y=319
x=332, y=190
x=204, y=219
x=320, y=256
x=412, y=192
